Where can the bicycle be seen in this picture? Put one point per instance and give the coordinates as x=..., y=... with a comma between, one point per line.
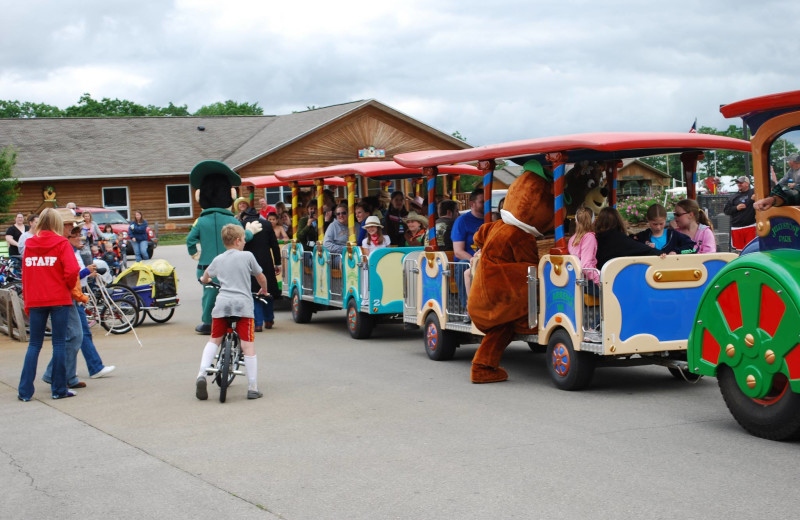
x=229, y=358
x=115, y=307
x=11, y=274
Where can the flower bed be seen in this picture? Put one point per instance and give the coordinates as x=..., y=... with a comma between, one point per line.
x=634, y=208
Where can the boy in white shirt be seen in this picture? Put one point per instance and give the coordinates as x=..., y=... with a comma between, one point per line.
x=233, y=269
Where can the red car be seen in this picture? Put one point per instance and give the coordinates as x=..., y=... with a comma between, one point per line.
x=103, y=216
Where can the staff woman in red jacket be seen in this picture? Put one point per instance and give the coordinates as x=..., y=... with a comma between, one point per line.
x=49, y=271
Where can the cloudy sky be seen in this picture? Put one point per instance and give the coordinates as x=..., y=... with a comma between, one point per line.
x=494, y=70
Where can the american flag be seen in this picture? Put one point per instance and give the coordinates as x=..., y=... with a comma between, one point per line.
x=693, y=129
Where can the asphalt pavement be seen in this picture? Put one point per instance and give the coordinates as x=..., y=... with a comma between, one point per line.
x=372, y=429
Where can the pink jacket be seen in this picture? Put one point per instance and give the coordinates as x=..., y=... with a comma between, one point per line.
x=704, y=238
x=586, y=251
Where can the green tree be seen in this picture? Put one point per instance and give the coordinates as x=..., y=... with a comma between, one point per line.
x=715, y=162
x=458, y=136
x=724, y=162
x=9, y=186
x=780, y=151
x=28, y=110
x=230, y=108
x=170, y=110
x=106, y=107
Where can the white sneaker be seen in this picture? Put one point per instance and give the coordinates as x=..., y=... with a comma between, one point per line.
x=103, y=373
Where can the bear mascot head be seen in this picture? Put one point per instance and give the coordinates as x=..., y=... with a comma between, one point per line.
x=584, y=186
x=529, y=202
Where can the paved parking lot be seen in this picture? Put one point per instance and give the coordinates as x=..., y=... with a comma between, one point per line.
x=372, y=429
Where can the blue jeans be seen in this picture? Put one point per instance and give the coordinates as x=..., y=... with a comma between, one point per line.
x=93, y=361
x=38, y=321
x=73, y=340
x=263, y=312
x=140, y=250
x=458, y=271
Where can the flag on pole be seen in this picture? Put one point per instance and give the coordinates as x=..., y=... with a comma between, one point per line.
x=693, y=129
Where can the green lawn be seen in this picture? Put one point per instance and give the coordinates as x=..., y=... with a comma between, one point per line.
x=171, y=239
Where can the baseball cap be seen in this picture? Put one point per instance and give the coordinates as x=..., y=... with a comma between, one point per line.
x=743, y=178
x=794, y=157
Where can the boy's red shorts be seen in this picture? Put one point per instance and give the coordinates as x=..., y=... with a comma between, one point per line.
x=245, y=327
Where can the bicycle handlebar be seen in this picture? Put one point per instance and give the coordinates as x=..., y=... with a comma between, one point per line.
x=263, y=298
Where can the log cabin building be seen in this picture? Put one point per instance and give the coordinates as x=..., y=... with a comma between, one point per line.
x=636, y=177
x=143, y=163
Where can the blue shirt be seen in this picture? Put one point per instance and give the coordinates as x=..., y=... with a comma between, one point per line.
x=464, y=229
x=661, y=241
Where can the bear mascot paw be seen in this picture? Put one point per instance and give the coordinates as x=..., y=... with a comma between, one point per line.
x=498, y=299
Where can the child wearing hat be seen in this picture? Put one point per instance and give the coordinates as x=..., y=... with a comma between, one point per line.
x=375, y=238
x=415, y=232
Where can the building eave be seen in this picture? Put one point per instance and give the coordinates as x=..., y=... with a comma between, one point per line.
x=93, y=177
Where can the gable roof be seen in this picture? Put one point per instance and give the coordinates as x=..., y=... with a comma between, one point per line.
x=119, y=147
x=628, y=162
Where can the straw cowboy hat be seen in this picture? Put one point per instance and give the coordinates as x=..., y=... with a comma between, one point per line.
x=372, y=221
x=413, y=215
x=237, y=201
x=68, y=216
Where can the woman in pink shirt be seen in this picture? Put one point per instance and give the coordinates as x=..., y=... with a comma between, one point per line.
x=692, y=221
x=583, y=244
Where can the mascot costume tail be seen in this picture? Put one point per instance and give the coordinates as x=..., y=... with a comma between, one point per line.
x=498, y=300
x=213, y=181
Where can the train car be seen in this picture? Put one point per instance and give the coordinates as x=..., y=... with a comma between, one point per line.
x=640, y=316
x=368, y=286
x=747, y=328
x=251, y=184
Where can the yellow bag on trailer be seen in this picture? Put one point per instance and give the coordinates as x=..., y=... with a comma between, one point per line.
x=154, y=281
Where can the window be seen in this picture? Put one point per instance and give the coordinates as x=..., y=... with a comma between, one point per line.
x=631, y=188
x=278, y=194
x=116, y=198
x=179, y=201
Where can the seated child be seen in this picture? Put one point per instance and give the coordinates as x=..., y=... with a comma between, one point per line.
x=108, y=238
x=109, y=256
x=233, y=269
x=662, y=237
x=375, y=238
x=277, y=227
x=583, y=244
x=414, y=235
x=613, y=240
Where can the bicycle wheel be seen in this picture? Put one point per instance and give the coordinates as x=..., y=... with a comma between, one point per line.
x=224, y=367
x=92, y=310
x=123, y=314
x=160, y=314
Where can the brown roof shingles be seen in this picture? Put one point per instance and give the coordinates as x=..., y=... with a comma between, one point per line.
x=135, y=146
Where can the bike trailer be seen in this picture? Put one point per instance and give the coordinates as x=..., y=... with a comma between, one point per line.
x=155, y=282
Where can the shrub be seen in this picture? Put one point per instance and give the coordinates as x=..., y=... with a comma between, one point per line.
x=634, y=208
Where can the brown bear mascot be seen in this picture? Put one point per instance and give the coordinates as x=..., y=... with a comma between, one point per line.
x=498, y=300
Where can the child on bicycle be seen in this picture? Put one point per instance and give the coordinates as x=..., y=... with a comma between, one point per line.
x=233, y=269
